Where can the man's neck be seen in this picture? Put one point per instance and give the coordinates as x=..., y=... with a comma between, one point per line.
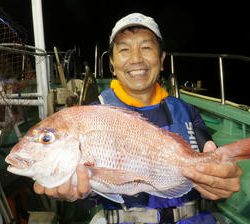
x=145, y=98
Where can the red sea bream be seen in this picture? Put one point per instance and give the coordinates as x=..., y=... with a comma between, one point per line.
x=127, y=154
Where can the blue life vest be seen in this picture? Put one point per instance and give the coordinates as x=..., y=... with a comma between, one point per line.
x=180, y=117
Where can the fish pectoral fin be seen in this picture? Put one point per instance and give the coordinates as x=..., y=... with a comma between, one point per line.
x=173, y=192
x=114, y=176
x=113, y=197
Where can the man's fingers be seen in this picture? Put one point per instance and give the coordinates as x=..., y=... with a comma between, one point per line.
x=212, y=193
x=209, y=146
x=212, y=169
x=215, y=176
x=83, y=186
x=52, y=192
x=64, y=189
x=38, y=188
x=68, y=191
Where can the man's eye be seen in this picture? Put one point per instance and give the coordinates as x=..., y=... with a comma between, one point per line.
x=146, y=48
x=46, y=138
x=123, y=49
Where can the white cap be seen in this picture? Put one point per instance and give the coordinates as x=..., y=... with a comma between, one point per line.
x=135, y=19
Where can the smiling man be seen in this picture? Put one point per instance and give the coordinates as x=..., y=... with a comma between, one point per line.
x=136, y=60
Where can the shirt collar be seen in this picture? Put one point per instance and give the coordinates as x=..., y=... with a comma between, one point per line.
x=160, y=94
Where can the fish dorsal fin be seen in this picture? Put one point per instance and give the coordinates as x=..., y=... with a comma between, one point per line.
x=174, y=192
x=114, y=176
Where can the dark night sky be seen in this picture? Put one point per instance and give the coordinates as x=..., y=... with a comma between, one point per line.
x=187, y=26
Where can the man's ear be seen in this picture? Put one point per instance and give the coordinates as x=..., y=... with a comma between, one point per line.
x=111, y=67
x=163, y=56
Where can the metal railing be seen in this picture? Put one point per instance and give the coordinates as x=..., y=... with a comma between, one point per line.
x=36, y=56
x=99, y=63
x=219, y=57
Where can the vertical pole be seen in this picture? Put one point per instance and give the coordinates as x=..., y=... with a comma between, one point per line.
x=172, y=63
x=173, y=79
x=97, y=61
x=41, y=68
x=222, y=81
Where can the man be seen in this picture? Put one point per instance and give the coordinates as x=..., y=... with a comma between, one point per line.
x=136, y=60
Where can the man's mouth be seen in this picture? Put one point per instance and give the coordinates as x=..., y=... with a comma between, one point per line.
x=137, y=73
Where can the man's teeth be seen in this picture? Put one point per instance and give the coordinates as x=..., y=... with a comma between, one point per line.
x=137, y=72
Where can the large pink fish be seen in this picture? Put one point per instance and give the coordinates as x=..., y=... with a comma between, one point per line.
x=124, y=153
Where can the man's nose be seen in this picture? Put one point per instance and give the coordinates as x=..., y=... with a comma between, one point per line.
x=136, y=56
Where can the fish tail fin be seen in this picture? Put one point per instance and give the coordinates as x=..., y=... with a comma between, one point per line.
x=235, y=151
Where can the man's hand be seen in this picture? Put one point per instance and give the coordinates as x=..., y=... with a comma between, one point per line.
x=214, y=181
x=67, y=191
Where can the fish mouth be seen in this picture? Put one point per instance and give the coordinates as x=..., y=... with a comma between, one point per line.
x=20, y=171
x=19, y=162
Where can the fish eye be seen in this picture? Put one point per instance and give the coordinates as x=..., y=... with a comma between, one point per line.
x=46, y=137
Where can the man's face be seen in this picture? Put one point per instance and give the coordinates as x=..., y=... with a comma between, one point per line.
x=136, y=60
